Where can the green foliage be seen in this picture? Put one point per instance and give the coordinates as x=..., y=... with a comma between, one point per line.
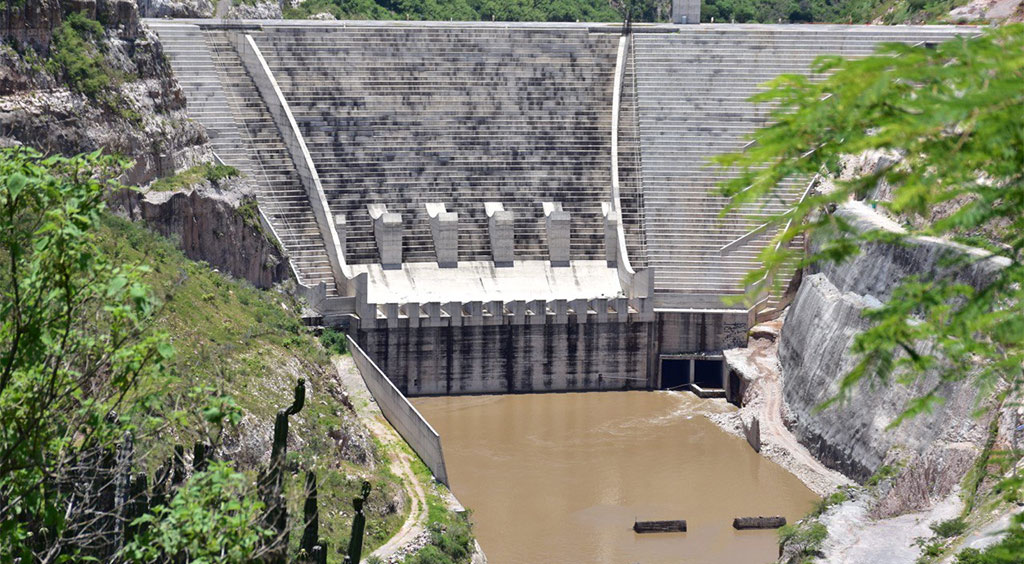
x=239, y=342
x=1006, y=551
x=807, y=537
x=461, y=10
x=450, y=543
x=213, y=518
x=955, y=113
x=75, y=54
x=74, y=338
x=883, y=473
x=949, y=528
x=824, y=11
x=211, y=172
x=451, y=535
x=825, y=503
x=334, y=341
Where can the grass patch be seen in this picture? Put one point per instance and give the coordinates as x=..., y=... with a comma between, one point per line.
x=451, y=534
x=977, y=474
x=885, y=472
x=211, y=172
x=806, y=539
x=334, y=341
x=77, y=55
x=949, y=528
x=825, y=503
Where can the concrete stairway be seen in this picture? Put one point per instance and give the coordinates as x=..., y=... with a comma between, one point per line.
x=281, y=196
x=408, y=115
x=692, y=91
x=185, y=47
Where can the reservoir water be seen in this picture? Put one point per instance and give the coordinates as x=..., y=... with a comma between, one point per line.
x=559, y=478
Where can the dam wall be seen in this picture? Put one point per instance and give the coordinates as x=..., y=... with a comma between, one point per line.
x=554, y=352
x=498, y=207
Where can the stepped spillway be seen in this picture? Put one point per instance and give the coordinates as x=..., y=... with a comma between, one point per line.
x=692, y=94
x=405, y=116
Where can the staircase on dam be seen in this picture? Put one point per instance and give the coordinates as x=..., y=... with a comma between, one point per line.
x=461, y=115
x=186, y=50
x=222, y=97
x=693, y=90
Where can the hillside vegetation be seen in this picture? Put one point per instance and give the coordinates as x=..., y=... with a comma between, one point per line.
x=235, y=341
x=741, y=11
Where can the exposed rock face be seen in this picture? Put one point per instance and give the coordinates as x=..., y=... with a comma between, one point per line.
x=853, y=437
x=206, y=222
x=31, y=23
x=264, y=10
x=146, y=120
x=176, y=8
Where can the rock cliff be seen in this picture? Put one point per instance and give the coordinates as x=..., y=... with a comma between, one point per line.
x=935, y=449
x=140, y=113
x=215, y=223
x=176, y=8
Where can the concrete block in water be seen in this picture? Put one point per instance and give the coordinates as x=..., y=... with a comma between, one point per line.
x=674, y=526
x=758, y=522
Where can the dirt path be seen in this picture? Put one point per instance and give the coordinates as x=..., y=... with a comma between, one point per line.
x=370, y=414
x=759, y=363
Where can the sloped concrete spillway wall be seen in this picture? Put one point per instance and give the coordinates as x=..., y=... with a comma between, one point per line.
x=401, y=414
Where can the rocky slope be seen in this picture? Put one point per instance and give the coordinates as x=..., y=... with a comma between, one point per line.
x=936, y=448
x=176, y=8
x=140, y=114
x=215, y=222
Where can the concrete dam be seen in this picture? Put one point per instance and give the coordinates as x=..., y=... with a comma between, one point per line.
x=509, y=207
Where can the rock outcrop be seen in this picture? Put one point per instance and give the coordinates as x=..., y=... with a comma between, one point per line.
x=217, y=224
x=176, y=8
x=261, y=10
x=936, y=448
x=141, y=115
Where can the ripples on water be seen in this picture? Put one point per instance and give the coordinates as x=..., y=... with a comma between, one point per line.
x=559, y=478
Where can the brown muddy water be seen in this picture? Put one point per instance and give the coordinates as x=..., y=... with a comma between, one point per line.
x=559, y=478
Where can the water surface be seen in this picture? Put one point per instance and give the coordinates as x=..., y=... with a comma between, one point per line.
x=559, y=478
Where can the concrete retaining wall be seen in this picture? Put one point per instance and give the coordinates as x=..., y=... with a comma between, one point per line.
x=545, y=357
x=401, y=414
x=513, y=358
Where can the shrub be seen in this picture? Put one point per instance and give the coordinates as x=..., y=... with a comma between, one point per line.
x=334, y=341
x=949, y=528
x=75, y=54
x=430, y=554
x=834, y=499
x=884, y=473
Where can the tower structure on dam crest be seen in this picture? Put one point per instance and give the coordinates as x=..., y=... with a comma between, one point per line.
x=498, y=207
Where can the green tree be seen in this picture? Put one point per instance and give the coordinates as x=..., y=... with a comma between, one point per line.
x=79, y=360
x=213, y=518
x=73, y=341
x=951, y=116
